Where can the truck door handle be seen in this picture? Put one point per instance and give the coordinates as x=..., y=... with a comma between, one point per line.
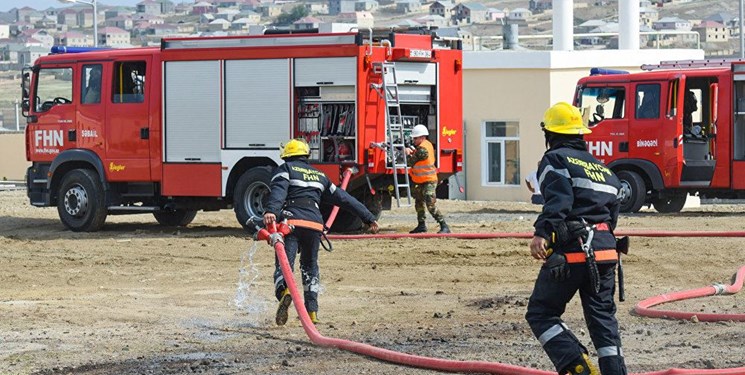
x=71, y=136
x=145, y=133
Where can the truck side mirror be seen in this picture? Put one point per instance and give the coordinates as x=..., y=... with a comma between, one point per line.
x=25, y=106
x=25, y=84
x=714, y=102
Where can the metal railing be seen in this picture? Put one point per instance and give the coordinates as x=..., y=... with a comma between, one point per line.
x=488, y=43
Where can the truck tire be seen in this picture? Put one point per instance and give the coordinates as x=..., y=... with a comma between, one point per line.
x=633, y=191
x=80, y=201
x=175, y=218
x=670, y=203
x=250, y=195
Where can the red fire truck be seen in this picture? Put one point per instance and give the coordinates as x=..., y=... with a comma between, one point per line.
x=196, y=124
x=676, y=129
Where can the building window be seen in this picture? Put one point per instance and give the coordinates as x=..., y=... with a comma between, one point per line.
x=500, y=153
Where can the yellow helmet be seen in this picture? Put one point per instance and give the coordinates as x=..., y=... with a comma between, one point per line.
x=563, y=118
x=295, y=147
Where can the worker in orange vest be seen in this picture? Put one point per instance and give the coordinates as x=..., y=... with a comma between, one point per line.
x=423, y=173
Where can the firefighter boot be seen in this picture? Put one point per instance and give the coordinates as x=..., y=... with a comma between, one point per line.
x=284, y=304
x=444, y=228
x=421, y=228
x=581, y=366
x=313, y=317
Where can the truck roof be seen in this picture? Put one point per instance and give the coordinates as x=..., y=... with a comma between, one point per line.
x=95, y=54
x=654, y=74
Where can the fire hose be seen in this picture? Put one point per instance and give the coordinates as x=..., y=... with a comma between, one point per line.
x=275, y=237
x=643, y=308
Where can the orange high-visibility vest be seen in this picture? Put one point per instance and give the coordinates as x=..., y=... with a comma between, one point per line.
x=425, y=170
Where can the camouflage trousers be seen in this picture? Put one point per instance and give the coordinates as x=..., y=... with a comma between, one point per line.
x=424, y=195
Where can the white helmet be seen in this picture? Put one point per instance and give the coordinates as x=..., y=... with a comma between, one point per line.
x=418, y=131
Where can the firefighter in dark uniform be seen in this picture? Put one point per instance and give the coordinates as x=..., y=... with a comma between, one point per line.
x=297, y=190
x=574, y=236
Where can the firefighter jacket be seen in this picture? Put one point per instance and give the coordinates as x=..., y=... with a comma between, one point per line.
x=576, y=187
x=297, y=190
x=423, y=159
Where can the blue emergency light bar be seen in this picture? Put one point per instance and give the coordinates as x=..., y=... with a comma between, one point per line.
x=604, y=71
x=65, y=49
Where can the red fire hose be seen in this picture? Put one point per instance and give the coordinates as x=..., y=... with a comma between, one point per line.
x=643, y=308
x=276, y=237
x=485, y=236
x=344, y=182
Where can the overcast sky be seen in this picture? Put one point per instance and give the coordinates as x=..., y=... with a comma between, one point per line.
x=6, y=5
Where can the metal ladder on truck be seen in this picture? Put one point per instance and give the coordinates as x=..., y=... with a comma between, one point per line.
x=395, y=146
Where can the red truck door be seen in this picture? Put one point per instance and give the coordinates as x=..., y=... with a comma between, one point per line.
x=52, y=125
x=91, y=108
x=605, y=111
x=656, y=132
x=128, y=126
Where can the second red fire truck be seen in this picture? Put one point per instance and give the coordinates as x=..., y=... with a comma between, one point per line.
x=196, y=124
x=674, y=130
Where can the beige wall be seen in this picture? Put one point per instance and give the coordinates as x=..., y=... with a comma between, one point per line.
x=13, y=162
x=518, y=86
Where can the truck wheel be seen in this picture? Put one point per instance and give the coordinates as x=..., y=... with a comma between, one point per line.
x=175, y=218
x=633, y=191
x=670, y=203
x=250, y=194
x=80, y=201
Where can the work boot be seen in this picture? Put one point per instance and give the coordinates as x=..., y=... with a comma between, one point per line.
x=284, y=305
x=581, y=366
x=444, y=228
x=313, y=317
x=421, y=228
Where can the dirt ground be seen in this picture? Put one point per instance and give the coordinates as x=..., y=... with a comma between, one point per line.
x=138, y=298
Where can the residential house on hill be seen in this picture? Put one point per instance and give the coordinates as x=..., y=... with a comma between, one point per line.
x=466, y=13
x=408, y=6
x=74, y=39
x=203, y=7
x=363, y=20
x=366, y=5
x=520, y=14
x=149, y=7
x=442, y=8
x=306, y=23
x=113, y=37
x=122, y=22
x=219, y=25
x=68, y=16
x=538, y=6
x=341, y=6
x=672, y=23
x=648, y=16
x=711, y=31
x=433, y=20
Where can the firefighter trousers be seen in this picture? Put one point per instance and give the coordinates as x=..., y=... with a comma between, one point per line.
x=306, y=242
x=548, y=303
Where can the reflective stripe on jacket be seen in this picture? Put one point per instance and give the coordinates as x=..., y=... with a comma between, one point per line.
x=297, y=190
x=424, y=170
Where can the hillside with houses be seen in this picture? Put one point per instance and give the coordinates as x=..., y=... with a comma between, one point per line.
x=27, y=33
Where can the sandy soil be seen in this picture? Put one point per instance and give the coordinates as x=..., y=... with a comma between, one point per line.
x=137, y=298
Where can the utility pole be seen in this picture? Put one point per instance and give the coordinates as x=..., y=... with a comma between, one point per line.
x=742, y=41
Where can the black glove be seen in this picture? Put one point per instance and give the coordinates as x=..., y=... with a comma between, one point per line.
x=557, y=266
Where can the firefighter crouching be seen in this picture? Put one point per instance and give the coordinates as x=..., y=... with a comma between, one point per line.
x=424, y=178
x=297, y=189
x=574, y=235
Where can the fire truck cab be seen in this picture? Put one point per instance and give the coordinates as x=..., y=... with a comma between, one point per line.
x=196, y=124
x=669, y=131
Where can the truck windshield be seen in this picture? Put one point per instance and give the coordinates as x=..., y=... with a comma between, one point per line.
x=600, y=103
x=53, y=87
